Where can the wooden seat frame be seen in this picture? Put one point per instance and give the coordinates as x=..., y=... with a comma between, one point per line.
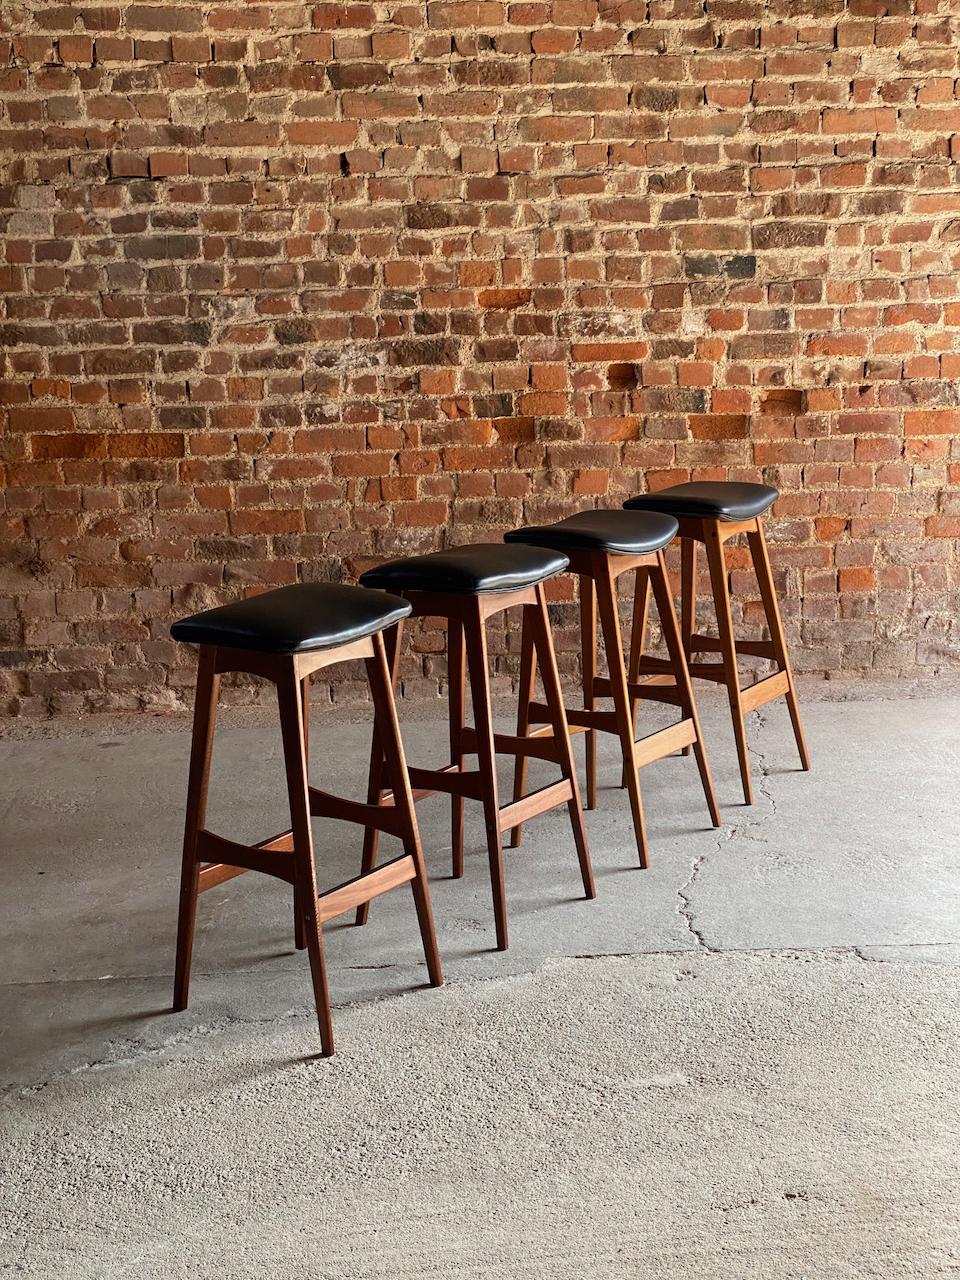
x=209, y=859
x=714, y=534
x=466, y=617
x=598, y=572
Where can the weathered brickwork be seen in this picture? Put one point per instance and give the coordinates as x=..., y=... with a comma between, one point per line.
x=289, y=288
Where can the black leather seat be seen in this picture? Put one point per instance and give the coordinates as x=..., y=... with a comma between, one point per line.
x=708, y=499
x=625, y=533
x=472, y=570
x=294, y=619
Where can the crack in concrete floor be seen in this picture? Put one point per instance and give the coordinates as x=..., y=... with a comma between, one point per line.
x=755, y=821
x=126, y=1051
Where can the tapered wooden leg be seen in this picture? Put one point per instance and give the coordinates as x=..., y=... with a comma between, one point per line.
x=299, y=936
x=388, y=729
x=456, y=699
x=201, y=750
x=290, y=702
x=688, y=593
x=638, y=637
x=678, y=659
x=688, y=599
x=371, y=836
x=539, y=620
x=477, y=661
x=771, y=607
x=588, y=663
x=613, y=642
x=728, y=649
x=528, y=671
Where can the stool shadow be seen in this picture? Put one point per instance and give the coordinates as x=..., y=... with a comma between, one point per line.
x=121, y=1019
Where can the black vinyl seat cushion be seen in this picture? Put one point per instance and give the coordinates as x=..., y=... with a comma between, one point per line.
x=708, y=499
x=294, y=619
x=472, y=570
x=625, y=533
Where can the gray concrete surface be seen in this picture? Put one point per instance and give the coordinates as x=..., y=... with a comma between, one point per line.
x=739, y=1063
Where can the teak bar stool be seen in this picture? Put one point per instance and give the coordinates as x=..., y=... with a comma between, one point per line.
x=713, y=512
x=601, y=546
x=285, y=636
x=466, y=586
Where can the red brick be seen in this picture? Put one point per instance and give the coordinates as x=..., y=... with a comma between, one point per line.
x=244, y=522
x=124, y=164
x=194, y=49
x=604, y=351
x=930, y=422
x=337, y=16
x=146, y=445
x=168, y=165
x=248, y=133
x=322, y=133
x=503, y=299
x=857, y=579
x=69, y=446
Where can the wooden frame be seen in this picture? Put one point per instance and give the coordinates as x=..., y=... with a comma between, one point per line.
x=598, y=572
x=209, y=859
x=466, y=617
x=714, y=534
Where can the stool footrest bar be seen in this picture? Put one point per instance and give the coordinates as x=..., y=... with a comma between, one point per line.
x=665, y=742
x=578, y=718
x=752, y=648
x=383, y=816
x=700, y=670
x=714, y=671
x=535, y=803
x=546, y=731
x=228, y=858
x=541, y=743
x=657, y=689
x=651, y=666
x=452, y=780
x=362, y=888
x=756, y=695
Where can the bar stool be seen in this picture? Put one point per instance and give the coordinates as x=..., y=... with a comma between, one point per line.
x=601, y=546
x=466, y=586
x=285, y=636
x=713, y=512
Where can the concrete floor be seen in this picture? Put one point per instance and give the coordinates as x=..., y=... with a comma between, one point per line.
x=739, y=1063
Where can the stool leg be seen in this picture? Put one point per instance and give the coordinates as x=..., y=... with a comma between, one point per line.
x=588, y=663
x=371, y=836
x=688, y=593
x=613, y=642
x=761, y=563
x=289, y=698
x=201, y=750
x=528, y=671
x=299, y=936
x=380, y=677
x=638, y=637
x=477, y=659
x=688, y=598
x=456, y=700
x=543, y=640
x=728, y=650
x=672, y=639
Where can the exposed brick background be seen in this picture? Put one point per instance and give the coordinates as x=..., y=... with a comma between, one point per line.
x=289, y=288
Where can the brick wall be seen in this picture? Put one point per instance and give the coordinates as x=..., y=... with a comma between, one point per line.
x=290, y=287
